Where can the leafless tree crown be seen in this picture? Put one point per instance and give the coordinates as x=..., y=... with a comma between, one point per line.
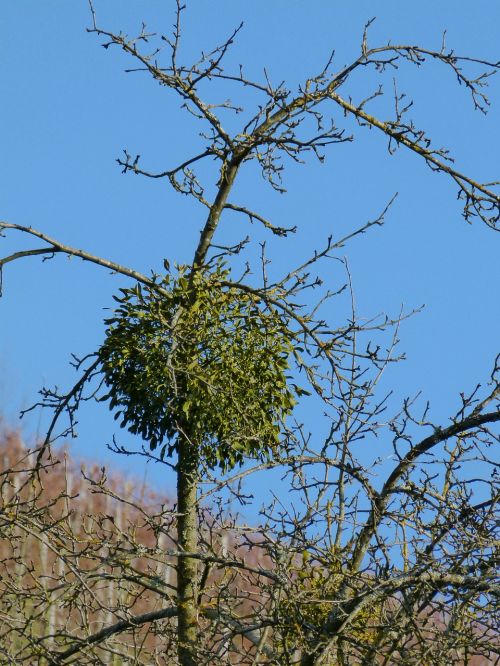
x=385, y=551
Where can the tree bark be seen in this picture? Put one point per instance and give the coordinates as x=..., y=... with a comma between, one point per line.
x=187, y=567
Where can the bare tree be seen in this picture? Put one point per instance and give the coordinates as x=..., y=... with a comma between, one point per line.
x=208, y=367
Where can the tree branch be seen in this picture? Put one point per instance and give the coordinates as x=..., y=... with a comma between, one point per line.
x=116, y=628
x=56, y=246
x=381, y=500
x=481, y=205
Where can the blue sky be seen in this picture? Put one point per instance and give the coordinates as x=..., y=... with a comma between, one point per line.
x=68, y=109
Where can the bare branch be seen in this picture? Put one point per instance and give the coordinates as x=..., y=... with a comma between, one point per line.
x=56, y=246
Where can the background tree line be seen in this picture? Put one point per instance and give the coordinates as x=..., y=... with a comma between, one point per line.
x=86, y=562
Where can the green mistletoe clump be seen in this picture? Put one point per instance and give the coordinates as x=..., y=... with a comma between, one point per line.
x=193, y=359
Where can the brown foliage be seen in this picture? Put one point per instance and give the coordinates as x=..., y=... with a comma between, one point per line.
x=88, y=576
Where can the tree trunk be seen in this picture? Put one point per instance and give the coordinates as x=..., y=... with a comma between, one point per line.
x=187, y=568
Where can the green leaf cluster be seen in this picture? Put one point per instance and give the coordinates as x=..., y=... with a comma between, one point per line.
x=310, y=598
x=193, y=359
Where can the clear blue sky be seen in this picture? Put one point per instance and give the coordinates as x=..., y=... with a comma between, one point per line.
x=68, y=110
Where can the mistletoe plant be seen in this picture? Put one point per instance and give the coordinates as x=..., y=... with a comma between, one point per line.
x=196, y=360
